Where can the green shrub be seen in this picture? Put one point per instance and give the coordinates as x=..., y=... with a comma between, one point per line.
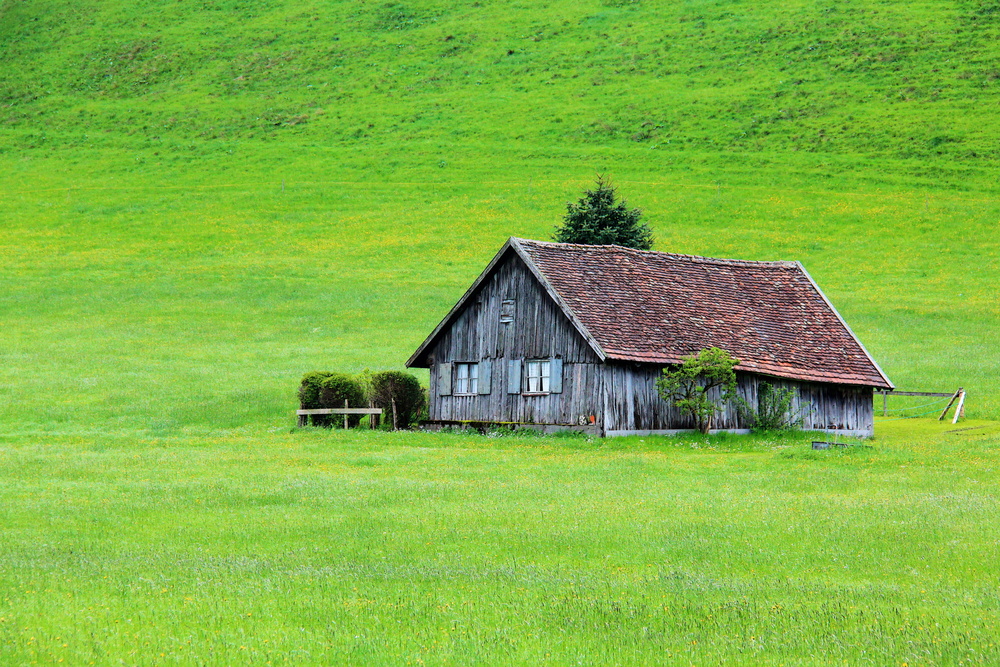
x=399, y=395
x=321, y=389
x=309, y=389
x=774, y=409
x=337, y=388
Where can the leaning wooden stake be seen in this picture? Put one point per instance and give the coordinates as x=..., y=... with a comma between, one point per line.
x=395, y=424
x=948, y=407
x=960, y=410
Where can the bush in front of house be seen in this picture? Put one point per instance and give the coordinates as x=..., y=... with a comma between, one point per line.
x=689, y=386
x=399, y=395
x=321, y=389
x=775, y=409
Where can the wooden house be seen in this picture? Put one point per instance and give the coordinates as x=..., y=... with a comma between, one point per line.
x=558, y=335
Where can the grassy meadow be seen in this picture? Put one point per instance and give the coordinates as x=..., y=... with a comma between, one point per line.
x=199, y=202
x=378, y=548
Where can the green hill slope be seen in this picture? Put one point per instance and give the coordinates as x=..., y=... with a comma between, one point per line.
x=200, y=201
x=900, y=82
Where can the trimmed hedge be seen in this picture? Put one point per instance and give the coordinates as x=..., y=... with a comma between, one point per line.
x=391, y=389
x=384, y=389
x=309, y=389
x=321, y=389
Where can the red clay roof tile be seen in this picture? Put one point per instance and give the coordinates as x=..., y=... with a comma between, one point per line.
x=657, y=307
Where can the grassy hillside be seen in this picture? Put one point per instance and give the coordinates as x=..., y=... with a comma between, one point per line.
x=200, y=201
x=914, y=85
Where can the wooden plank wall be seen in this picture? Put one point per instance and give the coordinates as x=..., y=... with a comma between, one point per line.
x=822, y=405
x=632, y=403
x=622, y=396
x=539, y=330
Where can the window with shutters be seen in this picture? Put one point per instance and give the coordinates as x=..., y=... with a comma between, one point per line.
x=466, y=379
x=538, y=374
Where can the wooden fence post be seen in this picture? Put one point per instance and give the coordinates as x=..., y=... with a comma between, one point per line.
x=960, y=408
x=346, y=411
x=948, y=407
x=345, y=416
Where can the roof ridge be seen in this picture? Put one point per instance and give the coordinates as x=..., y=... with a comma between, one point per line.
x=699, y=259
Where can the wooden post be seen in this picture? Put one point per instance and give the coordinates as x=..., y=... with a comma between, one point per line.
x=961, y=407
x=302, y=420
x=885, y=403
x=948, y=407
x=345, y=416
x=395, y=423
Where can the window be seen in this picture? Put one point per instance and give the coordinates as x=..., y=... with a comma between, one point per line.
x=507, y=311
x=538, y=376
x=466, y=378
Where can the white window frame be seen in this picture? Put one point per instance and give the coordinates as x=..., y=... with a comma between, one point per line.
x=537, y=376
x=466, y=379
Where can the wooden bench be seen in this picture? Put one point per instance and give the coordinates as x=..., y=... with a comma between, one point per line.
x=375, y=413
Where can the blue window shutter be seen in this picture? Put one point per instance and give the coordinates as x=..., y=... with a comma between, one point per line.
x=555, y=376
x=444, y=379
x=485, y=373
x=514, y=376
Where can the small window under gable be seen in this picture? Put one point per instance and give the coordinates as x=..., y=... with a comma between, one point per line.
x=466, y=379
x=507, y=311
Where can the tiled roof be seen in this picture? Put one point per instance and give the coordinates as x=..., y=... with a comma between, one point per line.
x=657, y=307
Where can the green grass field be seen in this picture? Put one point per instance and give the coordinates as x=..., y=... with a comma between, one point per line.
x=372, y=548
x=199, y=202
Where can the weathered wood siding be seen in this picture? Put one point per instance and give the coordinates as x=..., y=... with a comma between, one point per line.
x=539, y=330
x=621, y=396
x=630, y=402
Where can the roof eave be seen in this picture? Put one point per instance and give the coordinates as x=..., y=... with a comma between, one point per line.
x=431, y=339
x=790, y=374
x=845, y=325
x=555, y=296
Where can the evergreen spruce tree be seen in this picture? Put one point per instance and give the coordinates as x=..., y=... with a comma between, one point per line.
x=597, y=219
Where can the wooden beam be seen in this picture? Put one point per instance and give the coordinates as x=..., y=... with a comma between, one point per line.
x=914, y=393
x=948, y=407
x=340, y=411
x=960, y=409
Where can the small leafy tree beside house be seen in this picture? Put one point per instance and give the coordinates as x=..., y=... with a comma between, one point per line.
x=689, y=386
x=599, y=219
